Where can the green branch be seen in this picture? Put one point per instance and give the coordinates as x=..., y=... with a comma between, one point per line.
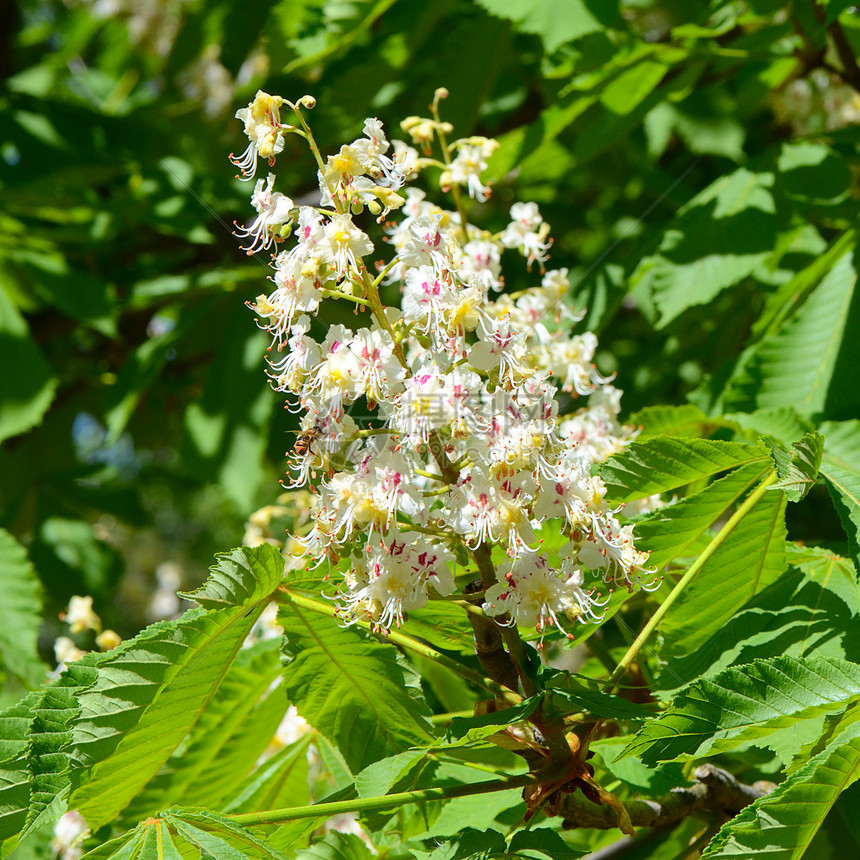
x=372, y=804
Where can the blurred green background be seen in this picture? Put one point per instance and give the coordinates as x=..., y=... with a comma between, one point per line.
x=139, y=430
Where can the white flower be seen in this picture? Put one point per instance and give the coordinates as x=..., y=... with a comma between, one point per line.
x=533, y=594
x=348, y=244
x=527, y=232
x=395, y=578
x=470, y=162
x=80, y=615
x=69, y=834
x=273, y=211
x=263, y=127
x=427, y=244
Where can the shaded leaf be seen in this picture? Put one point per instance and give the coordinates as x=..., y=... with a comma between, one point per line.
x=26, y=394
x=719, y=238
x=20, y=612
x=840, y=467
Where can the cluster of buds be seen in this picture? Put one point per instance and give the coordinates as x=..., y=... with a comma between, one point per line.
x=463, y=449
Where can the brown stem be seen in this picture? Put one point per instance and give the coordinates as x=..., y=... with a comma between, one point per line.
x=713, y=790
x=489, y=648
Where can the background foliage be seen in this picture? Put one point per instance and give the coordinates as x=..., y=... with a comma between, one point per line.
x=698, y=162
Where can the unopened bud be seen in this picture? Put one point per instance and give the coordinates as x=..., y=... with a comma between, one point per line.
x=108, y=639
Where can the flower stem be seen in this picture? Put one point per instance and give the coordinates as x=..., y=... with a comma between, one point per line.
x=371, y=804
x=687, y=578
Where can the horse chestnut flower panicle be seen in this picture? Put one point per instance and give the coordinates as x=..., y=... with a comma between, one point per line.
x=465, y=449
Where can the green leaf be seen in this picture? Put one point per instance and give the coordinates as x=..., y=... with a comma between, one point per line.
x=26, y=394
x=337, y=846
x=746, y=703
x=812, y=610
x=570, y=696
x=51, y=753
x=782, y=824
x=146, y=700
x=471, y=729
x=541, y=842
x=750, y=558
x=128, y=846
x=14, y=771
x=810, y=363
x=684, y=420
x=653, y=781
x=719, y=238
x=813, y=173
x=664, y=463
x=840, y=467
x=233, y=731
x=382, y=776
x=797, y=469
x=280, y=781
x=20, y=614
x=241, y=576
x=783, y=423
x=670, y=531
x=555, y=21
x=357, y=692
x=216, y=836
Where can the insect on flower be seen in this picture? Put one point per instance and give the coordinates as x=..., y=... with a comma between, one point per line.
x=305, y=440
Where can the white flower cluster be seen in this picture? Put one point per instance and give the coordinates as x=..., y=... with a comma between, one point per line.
x=465, y=450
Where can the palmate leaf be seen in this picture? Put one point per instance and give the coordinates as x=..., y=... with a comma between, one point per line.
x=811, y=610
x=222, y=747
x=750, y=558
x=671, y=530
x=746, y=703
x=174, y=671
x=664, y=463
x=110, y=721
x=354, y=690
x=186, y=834
x=782, y=824
x=282, y=780
x=797, y=366
x=216, y=836
x=840, y=468
x=20, y=612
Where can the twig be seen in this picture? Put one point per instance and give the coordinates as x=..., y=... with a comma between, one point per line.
x=713, y=790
